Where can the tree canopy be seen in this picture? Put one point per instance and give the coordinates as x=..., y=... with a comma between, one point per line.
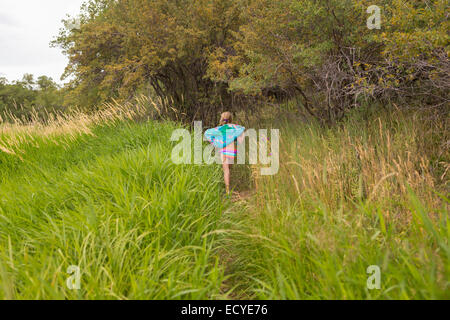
x=20, y=99
x=201, y=56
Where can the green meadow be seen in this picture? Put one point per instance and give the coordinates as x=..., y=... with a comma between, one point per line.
x=112, y=203
x=92, y=206
x=108, y=199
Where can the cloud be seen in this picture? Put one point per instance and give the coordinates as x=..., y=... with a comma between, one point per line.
x=26, y=29
x=8, y=21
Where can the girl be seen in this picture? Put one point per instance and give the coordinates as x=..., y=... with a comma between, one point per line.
x=229, y=153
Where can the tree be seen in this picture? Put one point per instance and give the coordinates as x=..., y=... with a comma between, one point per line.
x=322, y=52
x=158, y=46
x=291, y=45
x=199, y=55
x=28, y=98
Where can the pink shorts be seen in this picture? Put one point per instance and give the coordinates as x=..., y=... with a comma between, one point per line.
x=229, y=153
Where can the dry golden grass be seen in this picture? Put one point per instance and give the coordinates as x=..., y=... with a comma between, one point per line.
x=71, y=124
x=368, y=191
x=375, y=162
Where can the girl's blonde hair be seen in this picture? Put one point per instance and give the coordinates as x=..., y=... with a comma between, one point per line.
x=226, y=118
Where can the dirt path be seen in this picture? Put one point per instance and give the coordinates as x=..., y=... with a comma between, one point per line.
x=242, y=196
x=226, y=254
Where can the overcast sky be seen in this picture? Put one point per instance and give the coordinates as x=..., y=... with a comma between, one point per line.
x=26, y=29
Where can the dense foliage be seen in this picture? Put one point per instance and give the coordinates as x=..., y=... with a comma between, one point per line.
x=28, y=97
x=155, y=47
x=324, y=52
x=201, y=56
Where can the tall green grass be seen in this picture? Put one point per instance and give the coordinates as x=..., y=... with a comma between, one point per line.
x=370, y=191
x=112, y=203
x=101, y=193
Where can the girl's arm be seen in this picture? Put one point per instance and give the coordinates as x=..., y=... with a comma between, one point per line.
x=240, y=139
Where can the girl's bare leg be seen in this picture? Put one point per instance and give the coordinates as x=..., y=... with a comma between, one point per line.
x=226, y=176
